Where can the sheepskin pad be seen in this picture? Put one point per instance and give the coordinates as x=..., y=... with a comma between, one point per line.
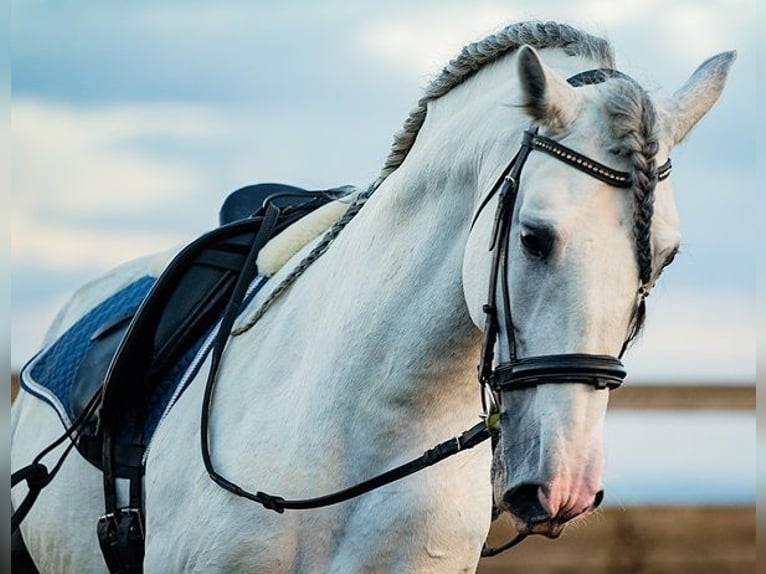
x=284, y=246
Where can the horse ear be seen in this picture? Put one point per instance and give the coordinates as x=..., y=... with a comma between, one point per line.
x=695, y=98
x=548, y=99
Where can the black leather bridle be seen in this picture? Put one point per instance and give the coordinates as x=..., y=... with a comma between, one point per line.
x=599, y=371
x=602, y=372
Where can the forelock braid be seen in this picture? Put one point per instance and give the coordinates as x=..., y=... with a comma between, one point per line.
x=633, y=121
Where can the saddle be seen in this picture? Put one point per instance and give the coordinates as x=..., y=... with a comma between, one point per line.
x=130, y=356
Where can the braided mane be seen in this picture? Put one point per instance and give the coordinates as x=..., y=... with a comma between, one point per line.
x=632, y=125
x=476, y=55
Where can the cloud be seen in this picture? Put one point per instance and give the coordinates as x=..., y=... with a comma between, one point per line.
x=92, y=158
x=648, y=31
x=403, y=43
x=85, y=181
x=311, y=95
x=65, y=247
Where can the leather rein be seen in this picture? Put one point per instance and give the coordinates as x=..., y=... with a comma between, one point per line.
x=599, y=371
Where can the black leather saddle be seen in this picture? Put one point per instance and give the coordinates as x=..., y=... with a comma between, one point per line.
x=126, y=358
x=131, y=353
x=247, y=201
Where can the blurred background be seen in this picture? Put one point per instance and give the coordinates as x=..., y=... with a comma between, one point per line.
x=132, y=121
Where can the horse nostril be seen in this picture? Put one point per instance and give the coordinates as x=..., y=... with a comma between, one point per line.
x=524, y=503
x=598, y=499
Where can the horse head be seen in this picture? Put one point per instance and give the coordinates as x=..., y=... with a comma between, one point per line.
x=582, y=253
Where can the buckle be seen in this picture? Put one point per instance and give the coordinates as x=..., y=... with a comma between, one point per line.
x=491, y=414
x=121, y=536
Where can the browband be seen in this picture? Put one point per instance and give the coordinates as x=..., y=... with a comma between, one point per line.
x=591, y=167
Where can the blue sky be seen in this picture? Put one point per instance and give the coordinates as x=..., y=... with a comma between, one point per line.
x=131, y=122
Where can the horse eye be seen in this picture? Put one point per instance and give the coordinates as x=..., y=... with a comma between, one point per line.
x=537, y=242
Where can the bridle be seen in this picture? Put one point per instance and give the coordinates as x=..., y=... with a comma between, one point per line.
x=602, y=372
x=598, y=371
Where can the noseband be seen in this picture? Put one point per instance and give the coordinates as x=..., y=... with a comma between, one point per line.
x=598, y=371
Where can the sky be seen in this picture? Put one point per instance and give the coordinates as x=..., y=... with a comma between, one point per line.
x=132, y=121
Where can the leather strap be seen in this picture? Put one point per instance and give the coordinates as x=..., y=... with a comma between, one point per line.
x=600, y=371
x=37, y=475
x=489, y=551
x=470, y=438
x=593, y=168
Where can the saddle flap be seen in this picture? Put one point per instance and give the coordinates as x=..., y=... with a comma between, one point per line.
x=91, y=370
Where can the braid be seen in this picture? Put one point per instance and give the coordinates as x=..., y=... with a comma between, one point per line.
x=474, y=56
x=633, y=126
x=319, y=249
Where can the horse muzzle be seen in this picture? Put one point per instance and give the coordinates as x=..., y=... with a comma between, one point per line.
x=533, y=512
x=549, y=459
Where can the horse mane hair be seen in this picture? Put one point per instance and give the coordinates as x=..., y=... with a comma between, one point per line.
x=632, y=125
x=632, y=114
x=474, y=56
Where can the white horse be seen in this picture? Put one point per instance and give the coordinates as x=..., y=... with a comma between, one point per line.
x=370, y=357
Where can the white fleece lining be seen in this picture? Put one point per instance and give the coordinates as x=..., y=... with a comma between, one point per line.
x=282, y=247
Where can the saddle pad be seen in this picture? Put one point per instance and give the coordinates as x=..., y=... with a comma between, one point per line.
x=50, y=374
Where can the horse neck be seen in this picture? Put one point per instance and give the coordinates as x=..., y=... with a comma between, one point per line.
x=397, y=304
x=412, y=235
